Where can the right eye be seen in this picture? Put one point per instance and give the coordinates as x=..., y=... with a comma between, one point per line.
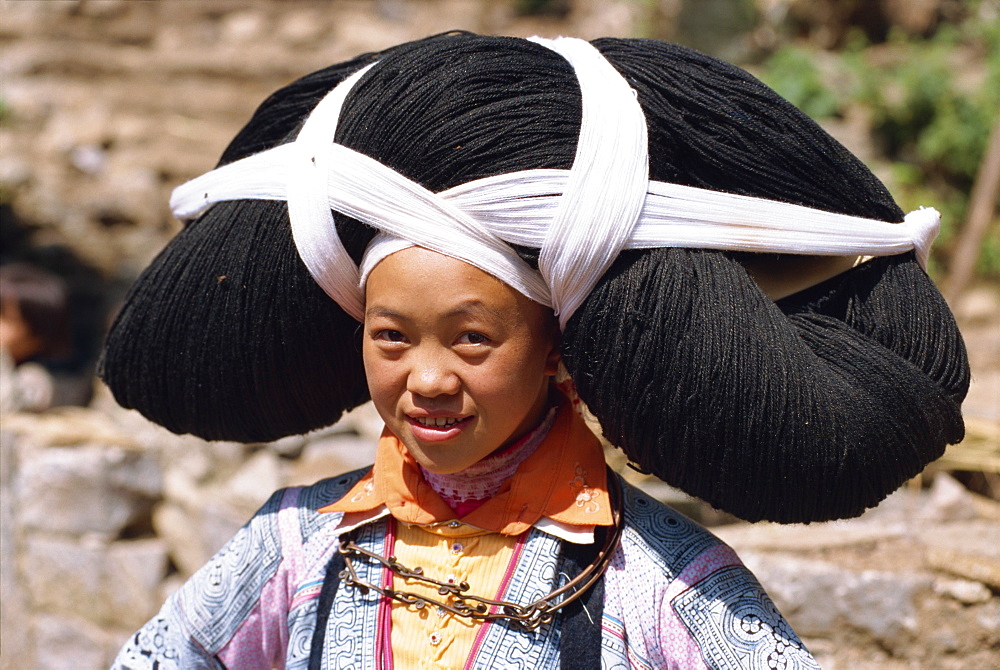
x=389, y=335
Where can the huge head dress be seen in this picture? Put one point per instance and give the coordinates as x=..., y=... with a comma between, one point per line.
x=632, y=185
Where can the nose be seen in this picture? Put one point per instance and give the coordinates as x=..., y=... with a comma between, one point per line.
x=432, y=375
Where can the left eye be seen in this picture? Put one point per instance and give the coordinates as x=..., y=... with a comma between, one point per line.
x=472, y=338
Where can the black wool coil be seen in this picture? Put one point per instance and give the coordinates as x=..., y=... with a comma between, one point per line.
x=811, y=408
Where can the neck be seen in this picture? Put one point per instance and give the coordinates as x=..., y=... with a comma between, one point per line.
x=466, y=490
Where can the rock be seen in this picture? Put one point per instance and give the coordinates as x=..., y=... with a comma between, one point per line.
x=103, y=9
x=817, y=596
x=177, y=528
x=989, y=618
x=81, y=490
x=69, y=642
x=68, y=426
x=210, y=489
x=191, y=463
x=90, y=159
x=289, y=447
x=194, y=530
x=109, y=585
x=124, y=198
x=253, y=483
x=16, y=627
x=969, y=565
x=881, y=603
x=135, y=570
x=944, y=637
x=976, y=536
x=599, y=17
x=219, y=522
x=947, y=500
x=794, y=584
x=188, y=465
x=15, y=172
x=242, y=27
x=779, y=537
x=329, y=456
x=170, y=585
x=70, y=127
x=963, y=590
x=302, y=28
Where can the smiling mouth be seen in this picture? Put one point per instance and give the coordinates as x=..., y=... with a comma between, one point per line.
x=437, y=422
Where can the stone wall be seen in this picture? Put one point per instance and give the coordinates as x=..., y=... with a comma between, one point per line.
x=104, y=514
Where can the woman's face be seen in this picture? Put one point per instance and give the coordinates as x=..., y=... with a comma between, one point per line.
x=16, y=336
x=458, y=363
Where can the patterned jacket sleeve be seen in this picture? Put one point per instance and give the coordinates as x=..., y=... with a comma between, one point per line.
x=710, y=611
x=217, y=619
x=737, y=625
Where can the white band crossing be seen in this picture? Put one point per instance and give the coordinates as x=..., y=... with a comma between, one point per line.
x=580, y=219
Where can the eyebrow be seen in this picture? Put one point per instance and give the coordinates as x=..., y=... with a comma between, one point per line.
x=467, y=307
x=382, y=311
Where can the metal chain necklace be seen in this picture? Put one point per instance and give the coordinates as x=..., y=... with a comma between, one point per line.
x=459, y=602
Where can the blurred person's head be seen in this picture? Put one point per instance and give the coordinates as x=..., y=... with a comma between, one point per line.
x=34, y=313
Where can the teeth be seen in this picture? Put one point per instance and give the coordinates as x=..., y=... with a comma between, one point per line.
x=440, y=422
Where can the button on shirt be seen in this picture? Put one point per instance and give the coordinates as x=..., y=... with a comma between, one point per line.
x=426, y=637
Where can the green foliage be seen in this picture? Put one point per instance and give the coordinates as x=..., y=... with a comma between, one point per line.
x=930, y=118
x=927, y=115
x=920, y=112
x=792, y=72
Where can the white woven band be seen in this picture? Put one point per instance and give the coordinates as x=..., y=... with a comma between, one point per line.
x=580, y=219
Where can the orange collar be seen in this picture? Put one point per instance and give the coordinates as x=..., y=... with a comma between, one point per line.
x=564, y=480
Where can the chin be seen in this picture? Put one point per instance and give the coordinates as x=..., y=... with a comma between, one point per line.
x=439, y=468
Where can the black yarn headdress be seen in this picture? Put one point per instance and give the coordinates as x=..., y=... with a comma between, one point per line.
x=811, y=408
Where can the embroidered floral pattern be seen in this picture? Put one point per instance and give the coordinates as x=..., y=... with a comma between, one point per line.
x=364, y=492
x=587, y=500
x=586, y=496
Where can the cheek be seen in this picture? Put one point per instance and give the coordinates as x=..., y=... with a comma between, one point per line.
x=523, y=372
x=379, y=375
x=367, y=358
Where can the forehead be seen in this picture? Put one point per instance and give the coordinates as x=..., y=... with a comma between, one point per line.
x=417, y=278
